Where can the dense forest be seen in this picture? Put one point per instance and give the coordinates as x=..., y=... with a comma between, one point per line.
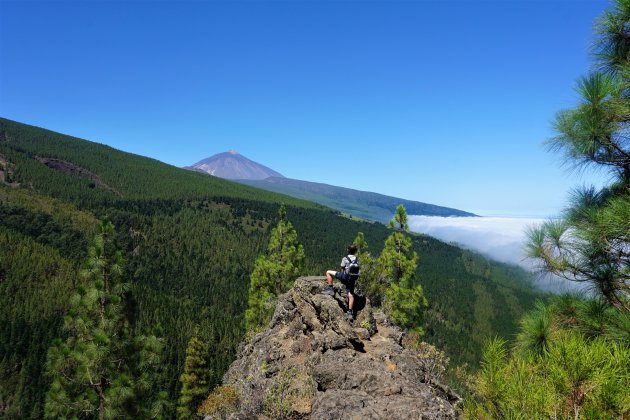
x=189, y=243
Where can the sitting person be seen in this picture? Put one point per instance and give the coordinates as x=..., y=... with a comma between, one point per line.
x=348, y=276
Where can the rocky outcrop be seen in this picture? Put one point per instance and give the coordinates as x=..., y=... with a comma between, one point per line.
x=313, y=362
x=6, y=172
x=70, y=168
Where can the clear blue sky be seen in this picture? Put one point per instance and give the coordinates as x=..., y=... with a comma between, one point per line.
x=442, y=102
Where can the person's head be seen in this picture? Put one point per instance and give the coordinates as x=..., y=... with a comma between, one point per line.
x=352, y=249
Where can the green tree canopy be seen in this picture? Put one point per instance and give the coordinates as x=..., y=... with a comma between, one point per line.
x=274, y=272
x=372, y=280
x=572, y=355
x=404, y=301
x=398, y=258
x=101, y=370
x=591, y=243
x=195, y=379
x=571, y=360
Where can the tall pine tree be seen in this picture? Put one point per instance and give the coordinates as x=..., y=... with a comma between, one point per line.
x=100, y=370
x=195, y=379
x=572, y=355
x=591, y=243
x=398, y=258
x=274, y=272
x=404, y=301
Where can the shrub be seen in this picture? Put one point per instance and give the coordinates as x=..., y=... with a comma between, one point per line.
x=221, y=402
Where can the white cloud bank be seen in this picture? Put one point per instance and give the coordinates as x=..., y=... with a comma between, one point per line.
x=500, y=238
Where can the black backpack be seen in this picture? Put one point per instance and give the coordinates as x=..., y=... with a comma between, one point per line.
x=353, y=268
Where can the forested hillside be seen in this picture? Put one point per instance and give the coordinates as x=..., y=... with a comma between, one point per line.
x=364, y=204
x=190, y=242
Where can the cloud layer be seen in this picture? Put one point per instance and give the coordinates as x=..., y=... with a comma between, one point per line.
x=500, y=238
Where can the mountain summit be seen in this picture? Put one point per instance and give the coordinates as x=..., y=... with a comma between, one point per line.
x=232, y=165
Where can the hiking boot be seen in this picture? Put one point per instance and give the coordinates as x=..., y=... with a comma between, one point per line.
x=329, y=290
x=350, y=317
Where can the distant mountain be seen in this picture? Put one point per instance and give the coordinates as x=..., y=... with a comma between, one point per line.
x=364, y=204
x=368, y=205
x=232, y=165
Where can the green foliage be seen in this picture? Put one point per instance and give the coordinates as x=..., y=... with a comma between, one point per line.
x=194, y=379
x=144, y=353
x=388, y=276
x=572, y=357
x=290, y=388
x=590, y=244
x=568, y=361
x=398, y=259
x=279, y=399
x=589, y=317
x=220, y=403
x=372, y=279
x=573, y=377
x=399, y=221
x=46, y=229
x=387, y=279
x=535, y=331
x=36, y=283
x=274, y=272
x=404, y=301
x=100, y=369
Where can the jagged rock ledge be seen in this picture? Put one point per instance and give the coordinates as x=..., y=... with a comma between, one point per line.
x=312, y=363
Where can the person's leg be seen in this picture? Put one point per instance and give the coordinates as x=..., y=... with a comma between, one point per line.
x=329, y=276
x=350, y=301
x=329, y=290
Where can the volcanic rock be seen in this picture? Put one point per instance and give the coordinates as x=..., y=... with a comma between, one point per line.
x=313, y=362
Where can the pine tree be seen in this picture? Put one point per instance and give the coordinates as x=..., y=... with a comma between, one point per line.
x=404, y=301
x=572, y=356
x=274, y=272
x=92, y=371
x=557, y=370
x=372, y=280
x=591, y=243
x=144, y=356
x=398, y=258
x=195, y=379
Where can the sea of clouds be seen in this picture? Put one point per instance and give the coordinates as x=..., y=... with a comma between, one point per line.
x=500, y=238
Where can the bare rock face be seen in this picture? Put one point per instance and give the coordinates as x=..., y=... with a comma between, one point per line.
x=313, y=362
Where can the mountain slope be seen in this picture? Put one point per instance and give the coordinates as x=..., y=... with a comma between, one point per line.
x=363, y=204
x=231, y=165
x=190, y=242
x=367, y=205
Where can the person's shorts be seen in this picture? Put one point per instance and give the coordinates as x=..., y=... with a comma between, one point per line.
x=343, y=277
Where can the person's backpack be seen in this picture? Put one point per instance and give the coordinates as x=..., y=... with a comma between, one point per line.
x=353, y=268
